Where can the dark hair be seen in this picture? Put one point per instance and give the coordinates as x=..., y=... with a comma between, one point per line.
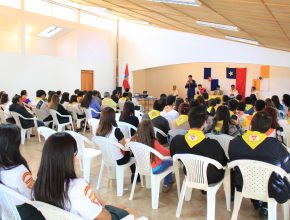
x=50, y=96
x=178, y=102
x=107, y=122
x=170, y=100
x=125, y=94
x=233, y=85
x=10, y=139
x=276, y=101
x=97, y=93
x=261, y=122
x=115, y=92
x=56, y=170
x=254, y=98
x=212, y=103
x=269, y=103
x=76, y=91
x=128, y=110
x=218, y=86
x=205, y=95
x=199, y=85
x=274, y=114
x=49, y=92
x=4, y=98
x=40, y=93
x=200, y=100
x=248, y=100
x=233, y=105
x=73, y=98
x=193, y=103
x=157, y=105
x=16, y=98
x=253, y=87
x=163, y=102
x=196, y=117
x=260, y=105
x=222, y=114
x=23, y=92
x=80, y=94
x=58, y=92
x=218, y=100
x=64, y=97
x=241, y=106
x=87, y=99
x=239, y=97
x=226, y=99
x=127, y=89
x=163, y=96
x=190, y=76
x=183, y=109
x=286, y=100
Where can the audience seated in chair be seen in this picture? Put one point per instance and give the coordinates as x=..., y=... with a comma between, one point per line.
x=128, y=115
x=181, y=122
x=90, y=102
x=64, y=99
x=55, y=105
x=168, y=112
x=108, y=101
x=40, y=104
x=5, y=104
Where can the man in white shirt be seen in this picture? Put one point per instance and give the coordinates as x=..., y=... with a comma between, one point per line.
x=41, y=106
x=168, y=112
x=174, y=91
x=233, y=92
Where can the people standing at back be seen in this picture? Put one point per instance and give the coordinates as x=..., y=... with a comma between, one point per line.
x=190, y=86
x=89, y=102
x=108, y=101
x=168, y=112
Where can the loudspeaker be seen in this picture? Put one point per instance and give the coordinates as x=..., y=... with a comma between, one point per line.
x=119, y=89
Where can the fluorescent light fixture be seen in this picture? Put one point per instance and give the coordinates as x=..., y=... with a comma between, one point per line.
x=218, y=26
x=242, y=40
x=50, y=31
x=139, y=22
x=195, y=3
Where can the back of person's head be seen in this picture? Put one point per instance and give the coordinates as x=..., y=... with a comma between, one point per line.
x=233, y=105
x=40, y=93
x=261, y=122
x=87, y=99
x=163, y=96
x=107, y=95
x=127, y=89
x=226, y=99
x=193, y=103
x=157, y=105
x=54, y=102
x=128, y=110
x=10, y=139
x=241, y=106
x=80, y=94
x=115, y=92
x=125, y=94
x=222, y=114
x=239, y=97
x=269, y=103
x=212, y=102
x=218, y=100
x=50, y=94
x=1, y=93
x=276, y=101
x=107, y=122
x=23, y=92
x=200, y=100
x=97, y=93
x=76, y=91
x=178, y=102
x=183, y=109
x=58, y=92
x=205, y=95
x=254, y=98
x=16, y=99
x=196, y=117
x=286, y=100
x=170, y=100
x=56, y=170
x=274, y=115
x=218, y=87
x=64, y=97
x=4, y=98
x=260, y=105
x=145, y=133
x=248, y=100
x=73, y=99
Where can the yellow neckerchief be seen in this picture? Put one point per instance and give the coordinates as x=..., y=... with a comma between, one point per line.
x=194, y=137
x=71, y=104
x=181, y=120
x=123, y=99
x=232, y=113
x=219, y=126
x=254, y=138
x=168, y=108
x=37, y=99
x=209, y=109
x=153, y=114
x=248, y=107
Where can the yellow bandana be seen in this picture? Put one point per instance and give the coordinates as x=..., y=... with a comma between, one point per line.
x=209, y=109
x=153, y=114
x=194, y=137
x=168, y=108
x=181, y=120
x=254, y=138
x=248, y=107
x=232, y=113
x=71, y=104
x=123, y=99
x=219, y=126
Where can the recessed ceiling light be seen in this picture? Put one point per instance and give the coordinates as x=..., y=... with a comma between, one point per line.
x=218, y=26
x=242, y=40
x=179, y=2
x=50, y=31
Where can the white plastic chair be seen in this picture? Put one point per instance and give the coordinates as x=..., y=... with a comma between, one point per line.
x=107, y=147
x=37, y=113
x=223, y=139
x=196, y=177
x=8, y=207
x=143, y=167
x=85, y=155
x=45, y=132
x=88, y=113
x=256, y=175
x=117, y=116
x=75, y=116
x=61, y=127
x=51, y=212
x=94, y=123
x=139, y=114
x=2, y=117
x=17, y=117
x=159, y=131
x=126, y=128
x=173, y=132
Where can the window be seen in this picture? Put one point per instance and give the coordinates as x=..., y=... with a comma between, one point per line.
x=11, y=3
x=38, y=6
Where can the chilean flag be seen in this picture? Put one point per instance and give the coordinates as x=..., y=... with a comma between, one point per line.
x=126, y=84
x=240, y=74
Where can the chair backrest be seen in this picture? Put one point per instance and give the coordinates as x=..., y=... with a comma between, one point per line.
x=139, y=114
x=51, y=212
x=196, y=169
x=142, y=154
x=95, y=124
x=126, y=128
x=88, y=112
x=45, y=131
x=16, y=117
x=223, y=139
x=8, y=208
x=159, y=131
x=281, y=114
x=117, y=116
x=256, y=175
x=2, y=117
x=173, y=132
x=54, y=114
x=73, y=111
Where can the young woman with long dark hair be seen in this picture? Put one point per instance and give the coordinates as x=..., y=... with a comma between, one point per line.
x=89, y=102
x=128, y=115
x=64, y=99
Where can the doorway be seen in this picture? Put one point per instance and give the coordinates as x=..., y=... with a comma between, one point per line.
x=87, y=80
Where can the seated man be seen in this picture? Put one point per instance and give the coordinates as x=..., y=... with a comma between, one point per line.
x=233, y=92
x=265, y=149
x=218, y=91
x=200, y=145
x=158, y=121
x=200, y=90
x=108, y=102
x=168, y=112
x=40, y=104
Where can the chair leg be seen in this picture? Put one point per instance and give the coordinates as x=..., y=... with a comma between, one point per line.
x=227, y=188
x=272, y=209
x=85, y=127
x=134, y=185
x=181, y=198
x=23, y=132
x=86, y=169
x=286, y=210
x=120, y=180
x=100, y=176
x=237, y=205
x=155, y=190
x=148, y=182
x=188, y=194
x=142, y=180
x=211, y=200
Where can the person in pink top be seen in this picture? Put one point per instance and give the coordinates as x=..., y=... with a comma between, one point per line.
x=145, y=135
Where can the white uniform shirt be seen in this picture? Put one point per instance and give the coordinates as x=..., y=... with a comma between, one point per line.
x=169, y=114
x=6, y=109
x=83, y=201
x=43, y=111
x=19, y=179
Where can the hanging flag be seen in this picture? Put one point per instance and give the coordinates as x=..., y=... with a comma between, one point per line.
x=207, y=73
x=265, y=71
x=231, y=73
x=126, y=84
x=240, y=74
x=214, y=84
x=265, y=78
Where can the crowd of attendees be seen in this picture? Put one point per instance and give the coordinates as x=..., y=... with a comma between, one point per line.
x=57, y=183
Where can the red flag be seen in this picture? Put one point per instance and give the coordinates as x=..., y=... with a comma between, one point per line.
x=126, y=84
x=241, y=78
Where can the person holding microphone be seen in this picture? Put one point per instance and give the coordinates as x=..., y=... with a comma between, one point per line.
x=190, y=85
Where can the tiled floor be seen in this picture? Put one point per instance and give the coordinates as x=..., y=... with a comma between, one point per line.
x=195, y=209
